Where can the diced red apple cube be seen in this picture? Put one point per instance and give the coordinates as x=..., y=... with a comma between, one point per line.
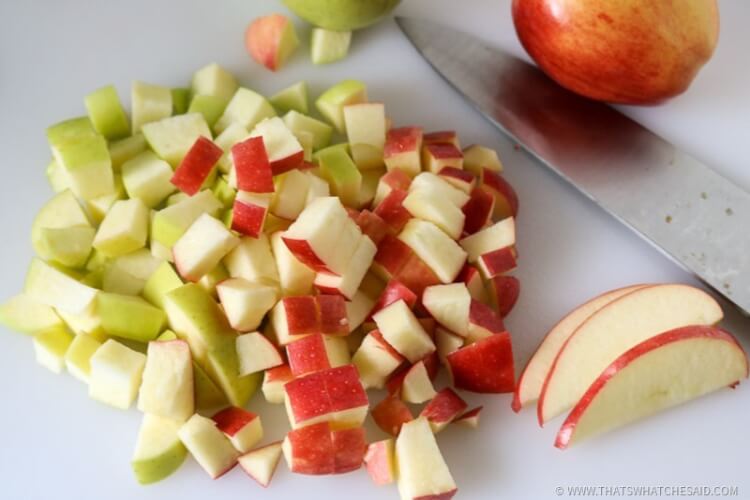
x=196, y=166
x=315, y=353
x=243, y=428
x=252, y=166
x=506, y=199
x=470, y=418
x=380, y=462
x=273, y=383
x=400, y=329
x=390, y=414
x=249, y=213
x=284, y=150
x=392, y=210
x=504, y=292
x=402, y=151
x=461, y=179
x=443, y=409
x=442, y=137
x=436, y=156
x=485, y=366
x=478, y=210
x=375, y=360
x=393, y=179
x=395, y=291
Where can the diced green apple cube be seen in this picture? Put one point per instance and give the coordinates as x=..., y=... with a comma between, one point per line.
x=207, y=394
x=231, y=135
x=78, y=356
x=23, y=314
x=130, y=317
x=98, y=207
x=87, y=164
x=57, y=177
x=342, y=175
x=202, y=247
x=161, y=282
x=297, y=123
x=115, y=374
x=329, y=46
x=224, y=192
x=61, y=132
x=180, y=100
x=69, y=246
x=48, y=285
x=331, y=103
x=291, y=98
x=107, y=114
x=171, y=223
x=210, y=106
x=246, y=108
x=125, y=149
x=124, y=229
x=86, y=322
x=150, y=103
x=365, y=128
x=60, y=212
x=215, y=81
x=50, y=347
x=158, y=449
x=147, y=177
x=171, y=138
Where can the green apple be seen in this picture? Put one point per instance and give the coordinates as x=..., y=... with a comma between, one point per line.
x=86, y=322
x=148, y=178
x=224, y=192
x=107, y=114
x=60, y=132
x=171, y=138
x=293, y=97
x=329, y=46
x=365, y=129
x=215, y=81
x=87, y=164
x=115, y=374
x=23, y=314
x=62, y=211
x=180, y=100
x=298, y=123
x=128, y=273
x=158, y=450
x=246, y=108
x=98, y=207
x=210, y=106
x=341, y=15
x=207, y=394
x=170, y=223
x=48, y=285
x=342, y=175
x=215, y=276
x=166, y=336
x=69, y=246
x=150, y=103
x=167, y=383
x=50, y=347
x=195, y=316
x=124, y=228
x=125, y=149
x=331, y=103
x=230, y=136
x=130, y=317
x=163, y=280
x=56, y=176
x=78, y=356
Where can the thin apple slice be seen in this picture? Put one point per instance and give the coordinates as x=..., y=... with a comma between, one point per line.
x=260, y=463
x=614, y=329
x=661, y=372
x=532, y=377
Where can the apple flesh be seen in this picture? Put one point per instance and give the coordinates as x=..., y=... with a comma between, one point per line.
x=78, y=356
x=147, y=177
x=171, y=138
x=158, y=450
x=331, y=103
x=329, y=46
x=422, y=471
x=416, y=386
x=202, y=247
x=441, y=253
x=167, y=381
x=477, y=158
x=614, y=329
x=124, y=228
x=208, y=445
x=443, y=408
x=567, y=42
x=243, y=428
x=390, y=414
x=316, y=353
x=253, y=260
x=282, y=147
x=245, y=303
x=661, y=372
x=246, y=108
x=380, y=462
x=401, y=329
x=260, y=463
x=365, y=129
x=470, y=418
x=256, y=353
x=376, y=360
x=402, y=150
x=436, y=156
x=450, y=305
x=115, y=374
x=273, y=383
x=291, y=98
x=270, y=40
x=51, y=347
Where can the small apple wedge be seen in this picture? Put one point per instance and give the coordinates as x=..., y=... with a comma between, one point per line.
x=51, y=347
x=401, y=329
x=390, y=414
x=310, y=450
x=663, y=371
x=23, y=314
x=115, y=374
x=450, y=305
x=445, y=407
x=380, y=462
x=158, y=450
x=243, y=428
x=485, y=366
x=331, y=103
x=202, y=247
x=613, y=330
x=256, y=353
x=245, y=303
x=422, y=471
x=376, y=360
x=329, y=46
x=532, y=377
x=273, y=383
x=260, y=463
x=416, y=386
x=470, y=418
x=209, y=446
x=270, y=40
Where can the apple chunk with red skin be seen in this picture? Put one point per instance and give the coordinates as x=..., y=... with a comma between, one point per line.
x=504, y=292
x=401, y=329
x=372, y=226
x=461, y=179
x=249, y=213
x=392, y=210
x=393, y=179
x=273, y=383
x=319, y=449
x=348, y=282
x=422, y=471
x=315, y=353
x=416, y=385
x=436, y=156
x=307, y=315
x=470, y=418
x=252, y=167
x=243, y=428
x=380, y=462
x=196, y=166
x=485, y=366
x=483, y=322
x=270, y=40
x=390, y=414
x=260, y=463
x=506, y=199
x=492, y=248
x=472, y=278
x=478, y=210
x=334, y=395
x=450, y=305
x=445, y=407
x=282, y=147
x=376, y=360
x=394, y=291
x=403, y=147
x=442, y=137
x=661, y=372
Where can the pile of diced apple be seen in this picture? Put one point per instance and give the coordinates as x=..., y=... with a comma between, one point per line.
x=203, y=247
x=627, y=354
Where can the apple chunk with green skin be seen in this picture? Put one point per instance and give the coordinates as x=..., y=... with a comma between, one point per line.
x=87, y=164
x=158, y=450
x=214, y=80
x=150, y=103
x=329, y=46
x=256, y=353
x=331, y=103
x=291, y=98
x=208, y=445
x=532, y=377
x=167, y=385
x=23, y=314
x=260, y=463
x=49, y=286
x=195, y=317
x=106, y=113
x=170, y=223
x=661, y=372
x=270, y=40
x=61, y=212
x=365, y=129
x=243, y=428
x=115, y=374
x=172, y=138
x=202, y=247
x=422, y=472
x=435, y=248
x=163, y=280
x=334, y=395
x=50, y=347
x=147, y=177
x=130, y=317
x=246, y=108
x=321, y=131
x=614, y=329
x=124, y=228
x=337, y=167
x=70, y=246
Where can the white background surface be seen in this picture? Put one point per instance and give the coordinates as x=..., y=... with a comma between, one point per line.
x=56, y=443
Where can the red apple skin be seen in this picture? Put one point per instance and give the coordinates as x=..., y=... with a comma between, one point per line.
x=196, y=166
x=372, y=225
x=505, y=291
x=307, y=355
x=248, y=219
x=231, y=420
x=305, y=254
x=687, y=332
x=432, y=364
x=463, y=180
x=441, y=137
x=252, y=166
x=478, y=210
x=506, y=199
x=443, y=151
x=262, y=39
x=332, y=313
x=312, y=450
x=302, y=315
x=281, y=373
x=349, y=447
x=635, y=52
x=402, y=140
x=390, y=414
x=499, y=261
x=325, y=392
x=392, y=210
x=470, y=415
x=445, y=406
x=484, y=317
x=393, y=292
x=396, y=179
x=485, y=366
x=288, y=163
x=379, y=462
x=396, y=260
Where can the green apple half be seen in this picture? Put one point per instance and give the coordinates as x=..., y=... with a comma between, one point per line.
x=341, y=15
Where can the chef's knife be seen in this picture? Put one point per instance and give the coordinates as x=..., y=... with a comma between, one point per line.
x=687, y=210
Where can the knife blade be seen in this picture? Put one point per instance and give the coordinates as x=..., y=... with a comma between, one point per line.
x=684, y=208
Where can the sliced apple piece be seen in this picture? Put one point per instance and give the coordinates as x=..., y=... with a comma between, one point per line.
x=106, y=113
x=450, y=305
x=245, y=303
x=295, y=278
x=478, y=211
x=270, y=40
x=435, y=248
x=167, y=383
x=124, y=228
x=506, y=199
x=331, y=103
x=290, y=196
x=298, y=123
x=273, y=383
x=500, y=235
x=256, y=353
x=532, y=377
x=246, y=108
x=416, y=386
x=115, y=374
x=214, y=80
x=202, y=247
x=402, y=150
x=442, y=137
x=662, y=371
x=243, y=428
x=149, y=103
x=51, y=346
x=393, y=179
x=170, y=223
x=338, y=168
x=365, y=129
x=172, y=138
x=158, y=450
x=196, y=166
x=446, y=343
x=253, y=260
x=461, y=179
x=375, y=360
x=260, y=463
x=249, y=213
x=485, y=366
x=348, y=283
x=443, y=409
x=400, y=329
x=394, y=213
x=470, y=418
x=422, y=472
x=23, y=314
x=477, y=158
x=284, y=150
x=78, y=356
x=349, y=447
x=291, y=98
x=316, y=353
x=147, y=177
x=380, y=461
x=209, y=446
x=429, y=206
x=49, y=286
x=436, y=156
x=309, y=450
x=504, y=292
x=329, y=46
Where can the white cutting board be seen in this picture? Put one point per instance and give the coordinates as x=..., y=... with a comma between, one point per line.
x=57, y=443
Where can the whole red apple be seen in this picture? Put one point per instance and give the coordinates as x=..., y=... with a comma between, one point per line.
x=621, y=51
